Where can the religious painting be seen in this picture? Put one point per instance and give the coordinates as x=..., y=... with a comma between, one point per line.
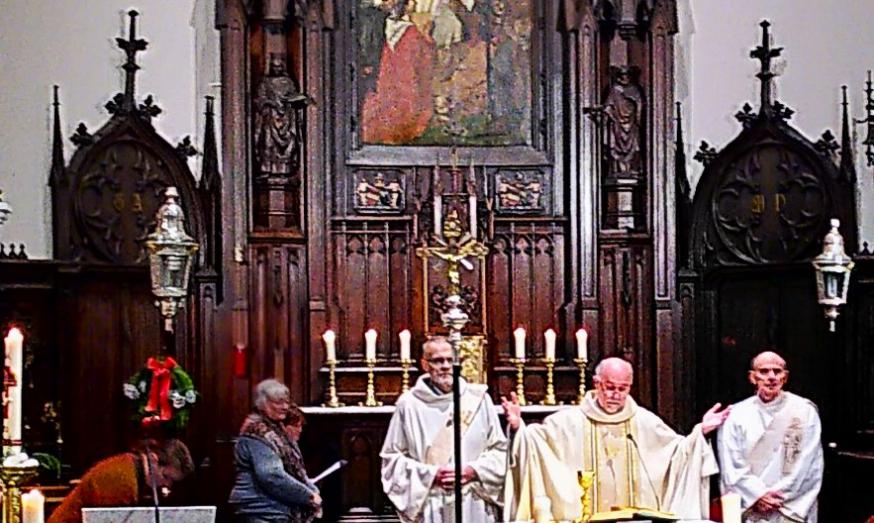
x=444, y=72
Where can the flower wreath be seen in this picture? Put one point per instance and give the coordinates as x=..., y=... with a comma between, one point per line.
x=162, y=393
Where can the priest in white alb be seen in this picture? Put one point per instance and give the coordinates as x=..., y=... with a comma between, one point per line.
x=637, y=460
x=418, y=471
x=770, y=449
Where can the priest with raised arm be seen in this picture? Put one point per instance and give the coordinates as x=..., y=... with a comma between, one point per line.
x=637, y=459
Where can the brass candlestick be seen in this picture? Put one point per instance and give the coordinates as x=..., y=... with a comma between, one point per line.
x=581, y=363
x=370, y=400
x=333, y=401
x=13, y=478
x=405, y=377
x=520, y=377
x=550, y=388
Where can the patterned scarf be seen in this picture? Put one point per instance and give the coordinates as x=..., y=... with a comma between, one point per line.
x=272, y=433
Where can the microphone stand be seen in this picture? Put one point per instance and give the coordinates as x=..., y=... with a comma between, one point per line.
x=154, y=483
x=456, y=431
x=645, y=471
x=455, y=319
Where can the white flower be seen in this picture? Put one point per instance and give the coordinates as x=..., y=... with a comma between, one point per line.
x=131, y=392
x=143, y=386
x=177, y=399
x=190, y=396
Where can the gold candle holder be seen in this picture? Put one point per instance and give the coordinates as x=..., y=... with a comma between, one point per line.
x=581, y=363
x=333, y=400
x=13, y=478
x=370, y=399
x=550, y=387
x=405, y=377
x=520, y=380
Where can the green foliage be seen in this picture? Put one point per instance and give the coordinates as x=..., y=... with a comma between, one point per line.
x=49, y=463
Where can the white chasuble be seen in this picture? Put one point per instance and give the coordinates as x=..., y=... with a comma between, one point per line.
x=419, y=442
x=542, y=480
x=773, y=446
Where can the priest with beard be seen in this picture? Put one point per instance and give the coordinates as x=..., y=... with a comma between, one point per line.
x=418, y=472
x=637, y=459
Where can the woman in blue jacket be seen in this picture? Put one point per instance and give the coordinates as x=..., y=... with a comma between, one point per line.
x=271, y=484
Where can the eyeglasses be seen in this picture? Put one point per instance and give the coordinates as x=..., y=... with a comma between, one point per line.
x=439, y=361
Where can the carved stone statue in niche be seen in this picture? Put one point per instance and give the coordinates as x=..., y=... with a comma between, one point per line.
x=622, y=111
x=278, y=121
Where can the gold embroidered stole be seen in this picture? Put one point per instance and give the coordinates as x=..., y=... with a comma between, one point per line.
x=785, y=428
x=608, y=452
x=441, y=448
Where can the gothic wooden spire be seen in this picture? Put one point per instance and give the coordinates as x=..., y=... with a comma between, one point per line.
x=56, y=175
x=848, y=164
x=210, y=189
x=131, y=47
x=682, y=193
x=764, y=53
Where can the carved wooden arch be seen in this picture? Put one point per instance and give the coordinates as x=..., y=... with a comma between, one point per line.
x=767, y=197
x=117, y=185
x=759, y=215
x=106, y=198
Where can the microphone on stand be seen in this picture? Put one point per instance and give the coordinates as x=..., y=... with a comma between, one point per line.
x=645, y=471
x=153, y=482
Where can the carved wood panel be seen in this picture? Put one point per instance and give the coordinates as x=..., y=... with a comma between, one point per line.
x=627, y=313
x=279, y=297
x=526, y=286
x=373, y=261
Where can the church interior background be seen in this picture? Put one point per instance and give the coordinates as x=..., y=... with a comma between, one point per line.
x=658, y=173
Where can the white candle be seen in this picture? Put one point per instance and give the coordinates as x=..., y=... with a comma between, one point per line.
x=731, y=512
x=582, y=344
x=519, y=334
x=14, y=341
x=370, y=345
x=33, y=507
x=549, y=339
x=404, y=336
x=438, y=202
x=330, y=348
x=472, y=201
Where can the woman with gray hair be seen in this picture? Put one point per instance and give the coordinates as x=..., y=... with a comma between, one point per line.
x=270, y=486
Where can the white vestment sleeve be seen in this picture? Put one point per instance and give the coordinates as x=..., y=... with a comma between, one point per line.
x=405, y=481
x=801, y=486
x=491, y=464
x=736, y=475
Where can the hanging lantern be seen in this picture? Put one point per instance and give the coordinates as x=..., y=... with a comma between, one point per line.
x=171, y=255
x=833, y=268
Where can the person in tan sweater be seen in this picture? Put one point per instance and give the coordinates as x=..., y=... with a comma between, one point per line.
x=126, y=479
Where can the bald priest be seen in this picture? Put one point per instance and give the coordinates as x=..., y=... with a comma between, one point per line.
x=637, y=459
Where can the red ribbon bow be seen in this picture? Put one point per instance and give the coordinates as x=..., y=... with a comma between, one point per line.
x=159, y=391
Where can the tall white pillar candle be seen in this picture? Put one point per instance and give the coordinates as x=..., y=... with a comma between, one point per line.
x=33, y=507
x=330, y=345
x=519, y=335
x=582, y=344
x=370, y=345
x=549, y=344
x=14, y=342
x=405, y=336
